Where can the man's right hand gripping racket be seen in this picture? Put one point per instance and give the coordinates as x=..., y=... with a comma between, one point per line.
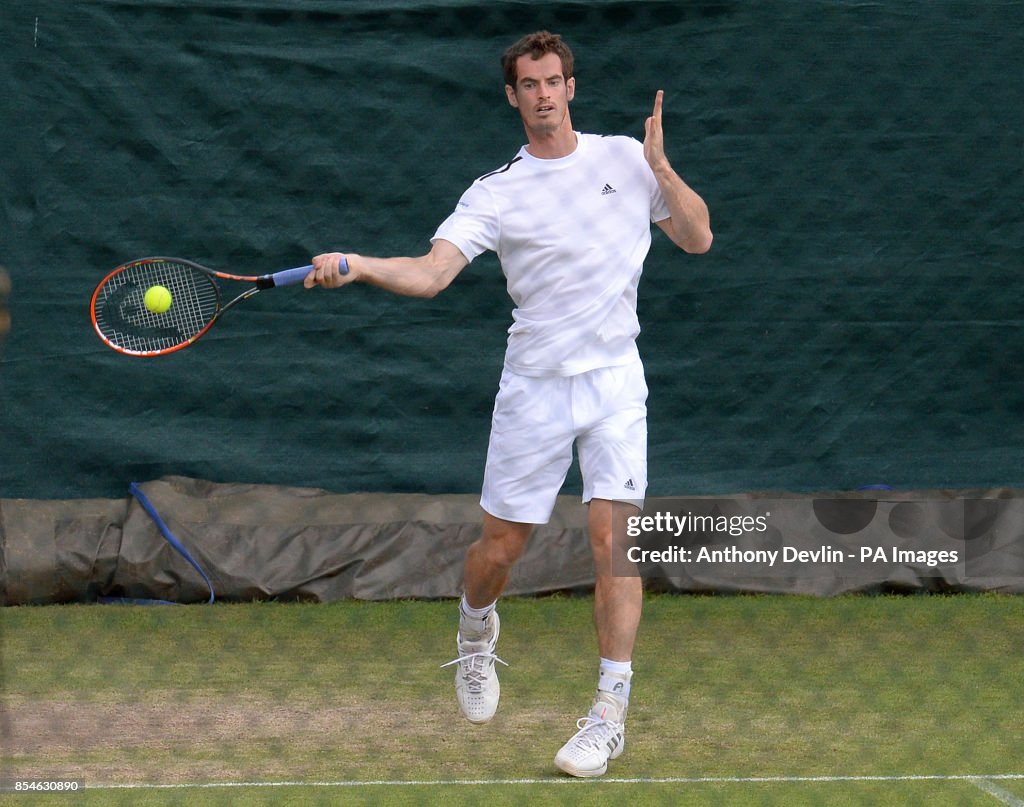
x=131, y=323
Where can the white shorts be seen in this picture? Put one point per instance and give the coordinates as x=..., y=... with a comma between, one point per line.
x=536, y=421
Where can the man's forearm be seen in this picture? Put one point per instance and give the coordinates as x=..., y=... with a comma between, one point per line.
x=410, y=277
x=691, y=222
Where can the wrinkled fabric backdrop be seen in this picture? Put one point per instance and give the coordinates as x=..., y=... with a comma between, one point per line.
x=857, y=321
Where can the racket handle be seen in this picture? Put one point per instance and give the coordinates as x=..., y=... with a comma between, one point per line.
x=292, y=277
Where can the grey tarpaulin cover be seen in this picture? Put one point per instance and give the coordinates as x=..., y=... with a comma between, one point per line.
x=265, y=541
x=270, y=542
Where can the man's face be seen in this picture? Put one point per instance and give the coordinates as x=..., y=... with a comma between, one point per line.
x=541, y=94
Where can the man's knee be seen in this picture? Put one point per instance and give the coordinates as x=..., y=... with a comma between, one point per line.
x=504, y=541
x=606, y=520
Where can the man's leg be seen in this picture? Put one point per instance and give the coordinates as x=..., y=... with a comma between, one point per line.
x=618, y=602
x=490, y=559
x=489, y=563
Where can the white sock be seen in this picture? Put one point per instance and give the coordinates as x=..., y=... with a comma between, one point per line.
x=474, y=619
x=614, y=677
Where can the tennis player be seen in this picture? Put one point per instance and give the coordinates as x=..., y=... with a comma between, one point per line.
x=570, y=220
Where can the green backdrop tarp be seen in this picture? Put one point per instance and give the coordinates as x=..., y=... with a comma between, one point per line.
x=856, y=321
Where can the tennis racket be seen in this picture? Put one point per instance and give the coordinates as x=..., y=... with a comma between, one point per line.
x=124, y=322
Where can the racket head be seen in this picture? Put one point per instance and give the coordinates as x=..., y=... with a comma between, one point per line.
x=123, y=322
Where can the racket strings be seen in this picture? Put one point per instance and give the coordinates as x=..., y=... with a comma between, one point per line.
x=124, y=320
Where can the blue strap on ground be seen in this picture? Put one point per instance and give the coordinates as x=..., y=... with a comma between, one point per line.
x=172, y=540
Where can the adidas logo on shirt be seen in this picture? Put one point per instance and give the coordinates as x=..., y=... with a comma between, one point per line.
x=607, y=189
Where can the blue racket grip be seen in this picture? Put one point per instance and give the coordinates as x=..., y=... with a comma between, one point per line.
x=292, y=277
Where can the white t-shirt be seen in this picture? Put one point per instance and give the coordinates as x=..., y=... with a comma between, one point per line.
x=571, y=234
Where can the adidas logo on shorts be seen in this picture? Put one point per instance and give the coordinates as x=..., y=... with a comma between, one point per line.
x=629, y=485
x=607, y=189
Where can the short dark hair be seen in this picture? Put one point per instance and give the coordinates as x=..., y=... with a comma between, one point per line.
x=535, y=46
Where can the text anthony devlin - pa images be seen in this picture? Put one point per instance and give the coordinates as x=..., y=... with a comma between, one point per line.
x=790, y=554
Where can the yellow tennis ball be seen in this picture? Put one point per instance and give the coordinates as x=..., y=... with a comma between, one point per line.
x=157, y=299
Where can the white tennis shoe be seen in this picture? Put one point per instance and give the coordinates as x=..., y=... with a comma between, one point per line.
x=601, y=736
x=476, y=680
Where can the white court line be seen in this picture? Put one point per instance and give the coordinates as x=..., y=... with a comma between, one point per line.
x=990, y=787
x=975, y=779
